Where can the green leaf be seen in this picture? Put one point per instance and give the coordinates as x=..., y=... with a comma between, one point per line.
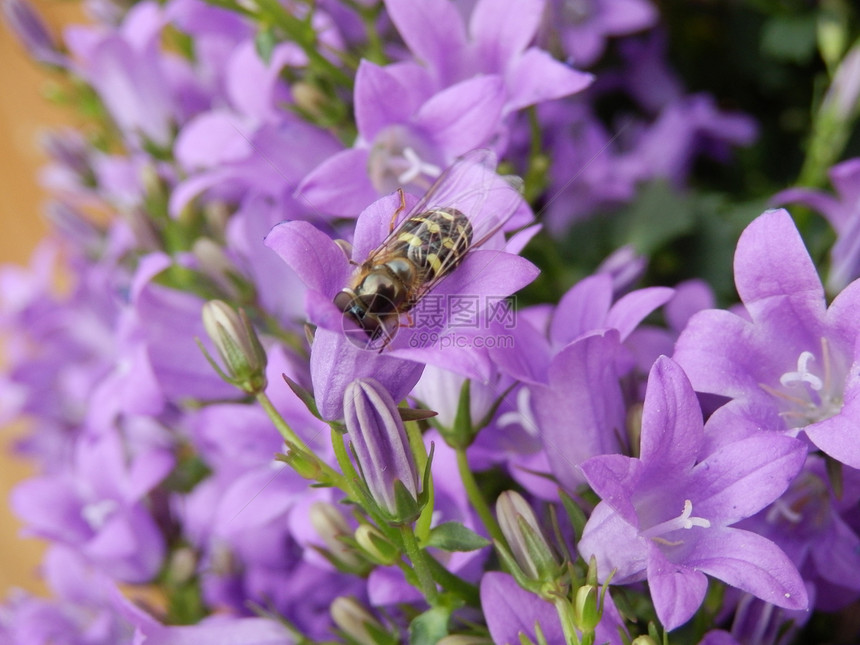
x=657, y=217
x=453, y=536
x=304, y=395
x=265, y=42
x=790, y=38
x=430, y=627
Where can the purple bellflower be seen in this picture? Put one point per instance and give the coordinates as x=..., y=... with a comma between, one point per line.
x=489, y=272
x=128, y=70
x=496, y=41
x=98, y=507
x=668, y=515
x=83, y=609
x=790, y=363
x=407, y=142
x=814, y=528
x=583, y=26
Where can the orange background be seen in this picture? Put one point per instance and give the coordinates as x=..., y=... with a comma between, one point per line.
x=24, y=114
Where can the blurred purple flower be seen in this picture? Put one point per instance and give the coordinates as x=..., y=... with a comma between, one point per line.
x=686, y=127
x=667, y=516
x=251, y=531
x=232, y=157
x=98, y=507
x=843, y=213
x=82, y=611
x=407, y=142
x=497, y=42
x=127, y=69
x=586, y=308
x=27, y=25
x=583, y=26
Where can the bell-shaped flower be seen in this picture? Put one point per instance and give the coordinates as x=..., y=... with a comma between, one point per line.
x=790, y=363
x=668, y=515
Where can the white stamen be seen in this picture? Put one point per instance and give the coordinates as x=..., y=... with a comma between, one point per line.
x=97, y=513
x=416, y=167
x=781, y=509
x=683, y=521
x=523, y=415
x=802, y=375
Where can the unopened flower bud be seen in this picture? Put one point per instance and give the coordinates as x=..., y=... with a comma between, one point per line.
x=236, y=341
x=183, y=565
x=332, y=527
x=30, y=29
x=383, y=453
x=306, y=464
x=643, y=640
x=308, y=97
x=378, y=548
x=356, y=621
x=70, y=151
x=529, y=546
x=587, y=608
x=73, y=226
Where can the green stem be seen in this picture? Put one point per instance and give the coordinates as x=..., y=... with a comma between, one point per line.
x=565, y=615
x=420, y=565
x=477, y=499
x=283, y=427
x=454, y=583
x=294, y=442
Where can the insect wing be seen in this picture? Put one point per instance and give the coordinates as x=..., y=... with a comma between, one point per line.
x=472, y=186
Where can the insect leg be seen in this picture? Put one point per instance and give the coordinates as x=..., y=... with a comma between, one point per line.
x=399, y=209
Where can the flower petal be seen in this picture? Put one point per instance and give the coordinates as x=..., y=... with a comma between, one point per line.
x=378, y=101
x=837, y=436
x=434, y=31
x=536, y=77
x=331, y=349
x=677, y=591
x=672, y=427
x=751, y=563
x=316, y=259
x=773, y=270
x=485, y=274
x=582, y=309
x=632, y=308
x=501, y=29
x=464, y=116
x=615, y=544
x=339, y=185
x=581, y=413
x=511, y=610
x=753, y=472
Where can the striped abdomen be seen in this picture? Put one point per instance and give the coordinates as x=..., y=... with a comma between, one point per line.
x=435, y=241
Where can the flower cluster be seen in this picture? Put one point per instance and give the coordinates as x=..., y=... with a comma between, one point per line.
x=275, y=372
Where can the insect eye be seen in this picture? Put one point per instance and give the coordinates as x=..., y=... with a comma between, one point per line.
x=344, y=301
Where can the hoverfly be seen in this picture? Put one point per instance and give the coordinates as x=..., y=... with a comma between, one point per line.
x=464, y=208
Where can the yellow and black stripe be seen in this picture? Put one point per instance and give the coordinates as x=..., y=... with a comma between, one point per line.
x=435, y=241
